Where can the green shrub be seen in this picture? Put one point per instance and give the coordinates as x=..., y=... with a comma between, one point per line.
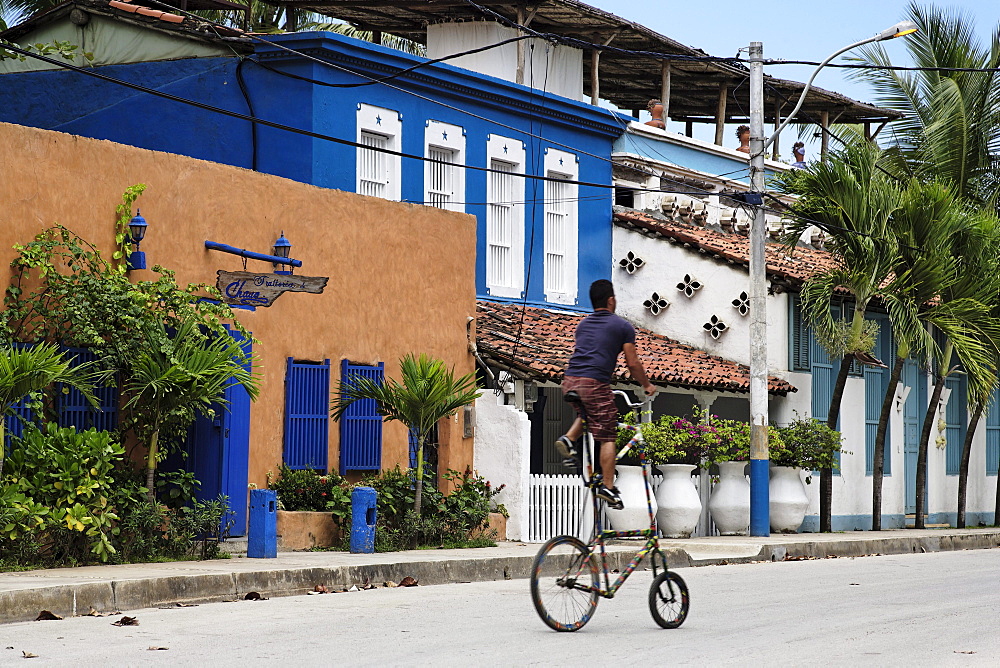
x=69, y=473
x=734, y=441
x=307, y=489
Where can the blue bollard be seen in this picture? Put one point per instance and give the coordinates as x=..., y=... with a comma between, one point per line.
x=262, y=536
x=363, y=516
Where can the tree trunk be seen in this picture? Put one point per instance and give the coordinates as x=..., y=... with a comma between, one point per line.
x=925, y=437
x=151, y=467
x=3, y=446
x=963, y=472
x=826, y=475
x=419, y=491
x=878, y=463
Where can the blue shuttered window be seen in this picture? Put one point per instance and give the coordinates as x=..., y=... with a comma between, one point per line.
x=955, y=420
x=307, y=410
x=74, y=409
x=361, y=425
x=993, y=434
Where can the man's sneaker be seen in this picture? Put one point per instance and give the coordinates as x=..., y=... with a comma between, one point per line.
x=566, y=448
x=612, y=496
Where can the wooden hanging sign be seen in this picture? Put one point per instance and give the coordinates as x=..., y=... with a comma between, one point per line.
x=246, y=288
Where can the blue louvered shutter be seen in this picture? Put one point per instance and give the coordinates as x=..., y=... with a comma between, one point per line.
x=307, y=396
x=800, y=337
x=993, y=434
x=20, y=414
x=74, y=409
x=361, y=425
x=876, y=385
x=412, y=439
x=955, y=420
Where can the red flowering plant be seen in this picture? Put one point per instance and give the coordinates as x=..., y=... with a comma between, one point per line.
x=308, y=489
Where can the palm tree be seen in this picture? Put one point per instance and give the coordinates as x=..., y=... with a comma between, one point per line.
x=427, y=394
x=854, y=201
x=172, y=383
x=29, y=369
x=950, y=128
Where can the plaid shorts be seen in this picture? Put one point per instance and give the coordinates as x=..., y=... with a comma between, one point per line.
x=599, y=404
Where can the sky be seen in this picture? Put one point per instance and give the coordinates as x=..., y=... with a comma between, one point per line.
x=800, y=30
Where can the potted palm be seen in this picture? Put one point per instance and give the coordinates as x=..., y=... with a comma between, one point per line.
x=676, y=445
x=805, y=444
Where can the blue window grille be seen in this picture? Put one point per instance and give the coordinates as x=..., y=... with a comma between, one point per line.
x=361, y=425
x=73, y=408
x=993, y=434
x=307, y=414
x=430, y=451
x=956, y=419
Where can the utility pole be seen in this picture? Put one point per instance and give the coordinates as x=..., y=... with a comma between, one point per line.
x=760, y=519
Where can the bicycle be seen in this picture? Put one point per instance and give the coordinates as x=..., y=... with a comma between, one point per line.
x=566, y=575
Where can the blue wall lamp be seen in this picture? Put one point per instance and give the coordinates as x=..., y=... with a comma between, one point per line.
x=282, y=247
x=136, y=231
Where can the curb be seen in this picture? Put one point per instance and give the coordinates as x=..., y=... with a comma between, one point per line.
x=19, y=605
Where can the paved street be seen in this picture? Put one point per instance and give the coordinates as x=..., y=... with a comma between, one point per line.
x=924, y=609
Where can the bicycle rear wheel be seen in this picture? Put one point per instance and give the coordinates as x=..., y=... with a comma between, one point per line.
x=564, y=583
x=668, y=600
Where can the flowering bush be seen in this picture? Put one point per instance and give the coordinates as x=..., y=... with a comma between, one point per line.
x=308, y=490
x=673, y=440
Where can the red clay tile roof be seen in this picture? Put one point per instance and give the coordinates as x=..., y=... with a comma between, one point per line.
x=793, y=267
x=546, y=341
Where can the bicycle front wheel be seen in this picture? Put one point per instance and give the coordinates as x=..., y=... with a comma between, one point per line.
x=565, y=583
x=668, y=600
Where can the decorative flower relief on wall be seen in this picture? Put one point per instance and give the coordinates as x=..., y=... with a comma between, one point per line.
x=715, y=327
x=656, y=304
x=742, y=304
x=689, y=286
x=631, y=263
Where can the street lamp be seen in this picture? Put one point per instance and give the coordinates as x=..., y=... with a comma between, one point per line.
x=760, y=522
x=137, y=230
x=282, y=248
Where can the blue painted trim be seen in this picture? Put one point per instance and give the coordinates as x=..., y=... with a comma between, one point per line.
x=233, y=250
x=760, y=509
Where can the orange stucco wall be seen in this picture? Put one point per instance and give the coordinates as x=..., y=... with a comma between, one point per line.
x=402, y=277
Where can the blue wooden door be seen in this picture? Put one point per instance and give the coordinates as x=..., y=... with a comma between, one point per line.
x=956, y=421
x=219, y=451
x=913, y=417
x=993, y=434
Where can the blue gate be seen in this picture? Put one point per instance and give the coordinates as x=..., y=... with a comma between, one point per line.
x=74, y=409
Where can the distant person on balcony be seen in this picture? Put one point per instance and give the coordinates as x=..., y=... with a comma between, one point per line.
x=600, y=338
x=743, y=134
x=799, y=153
x=655, y=109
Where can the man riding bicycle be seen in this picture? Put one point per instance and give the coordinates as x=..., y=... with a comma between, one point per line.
x=600, y=338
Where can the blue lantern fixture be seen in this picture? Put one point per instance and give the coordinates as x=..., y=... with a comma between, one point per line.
x=282, y=248
x=137, y=230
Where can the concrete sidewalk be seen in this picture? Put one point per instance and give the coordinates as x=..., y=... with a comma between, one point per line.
x=74, y=591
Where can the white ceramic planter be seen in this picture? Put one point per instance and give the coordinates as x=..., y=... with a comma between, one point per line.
x=635, y=515
x=677, y=502
x=730, y=501
x=788, y=500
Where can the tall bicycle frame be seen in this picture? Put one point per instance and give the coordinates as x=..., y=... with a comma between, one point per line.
x=573, y=563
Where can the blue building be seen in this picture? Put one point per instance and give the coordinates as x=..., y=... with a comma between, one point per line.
x=541, y=240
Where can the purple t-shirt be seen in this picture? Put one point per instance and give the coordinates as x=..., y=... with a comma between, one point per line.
x=599, y=339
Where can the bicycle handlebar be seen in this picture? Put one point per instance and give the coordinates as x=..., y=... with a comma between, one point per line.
x=624, y=395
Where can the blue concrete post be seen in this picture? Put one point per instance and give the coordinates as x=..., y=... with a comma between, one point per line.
x=262, y=536
x=363, y=515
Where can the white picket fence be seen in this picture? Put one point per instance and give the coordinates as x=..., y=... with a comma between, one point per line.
x=558, y=504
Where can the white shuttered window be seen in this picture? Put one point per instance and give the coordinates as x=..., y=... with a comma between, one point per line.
x=378, y=172
x=561, y=215
x=444, y=182
x=505, y=194
x=373, y=175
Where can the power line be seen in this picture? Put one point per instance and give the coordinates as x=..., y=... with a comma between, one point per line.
x=901, y=68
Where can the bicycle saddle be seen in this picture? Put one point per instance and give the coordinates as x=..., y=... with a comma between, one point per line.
x=571, y=397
